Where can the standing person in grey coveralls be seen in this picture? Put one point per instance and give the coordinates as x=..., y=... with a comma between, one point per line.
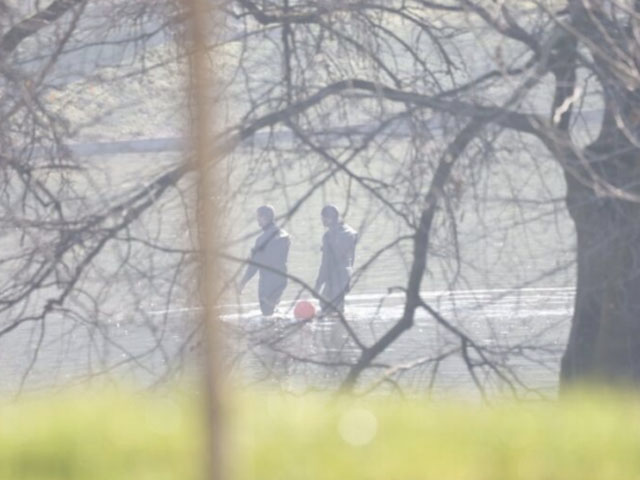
x=269, y=257
x=336, y=267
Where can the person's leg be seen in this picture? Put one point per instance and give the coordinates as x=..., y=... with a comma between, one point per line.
x=343, y=288
x=338, y=302
x=266, y=306
x=269, y=296
x=325, y=307
x=335, y=300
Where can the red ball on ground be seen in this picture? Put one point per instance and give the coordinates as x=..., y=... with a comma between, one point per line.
x=304, y=310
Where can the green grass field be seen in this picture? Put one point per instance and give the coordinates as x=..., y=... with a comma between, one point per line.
x=112, y=435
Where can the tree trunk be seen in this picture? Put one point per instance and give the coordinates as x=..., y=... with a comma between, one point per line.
x=604, y=343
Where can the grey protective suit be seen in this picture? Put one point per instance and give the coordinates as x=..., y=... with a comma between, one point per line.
x=338, y=253
x=269, y=257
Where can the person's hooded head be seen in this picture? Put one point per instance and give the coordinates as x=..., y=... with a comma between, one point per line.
x=265, y=215
x=330, y=215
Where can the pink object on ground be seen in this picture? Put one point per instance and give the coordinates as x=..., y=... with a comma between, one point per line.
x=304, y=310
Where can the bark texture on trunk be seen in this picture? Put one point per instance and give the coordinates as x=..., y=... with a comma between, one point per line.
x=603, y=192
x=604, y=342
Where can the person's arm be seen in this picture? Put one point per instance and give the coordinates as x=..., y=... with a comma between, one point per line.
x=280, y=254
x=285, y=250
x=322, y=273
x=252, y=268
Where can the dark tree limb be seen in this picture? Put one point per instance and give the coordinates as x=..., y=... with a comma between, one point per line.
x=32, y=25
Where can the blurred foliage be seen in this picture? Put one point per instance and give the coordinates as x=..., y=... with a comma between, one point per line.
x=100, y=435
x=137, y=436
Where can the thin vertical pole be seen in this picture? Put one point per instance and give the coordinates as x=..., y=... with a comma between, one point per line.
x=199, y=30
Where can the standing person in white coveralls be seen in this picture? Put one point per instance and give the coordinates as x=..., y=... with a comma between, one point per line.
x=269, y=258
x=336, y=267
